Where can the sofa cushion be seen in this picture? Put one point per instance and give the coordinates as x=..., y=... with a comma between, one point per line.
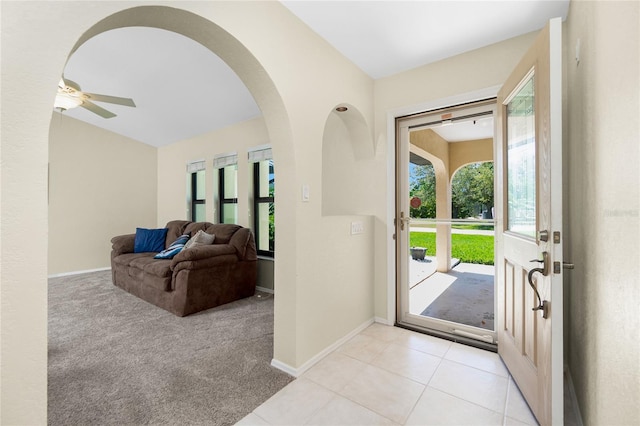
x=194, y=227
x=141, y=263
x=149, y=240
x=176, y=228
x=174, y=248
x=127, y=258
x=145, y=269
x=200, y=239
x=223, y=232
x=159, y=268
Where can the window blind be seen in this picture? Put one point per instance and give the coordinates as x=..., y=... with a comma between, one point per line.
x=196, y=166
x=221, y=161
x=260, y=155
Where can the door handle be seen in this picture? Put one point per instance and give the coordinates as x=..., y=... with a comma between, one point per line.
x=403, y=220
x=543, y=305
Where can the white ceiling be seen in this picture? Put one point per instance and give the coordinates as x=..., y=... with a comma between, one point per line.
x=468, y=130
x=181, y=89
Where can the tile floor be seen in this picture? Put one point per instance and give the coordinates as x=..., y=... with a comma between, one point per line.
x=391, y=376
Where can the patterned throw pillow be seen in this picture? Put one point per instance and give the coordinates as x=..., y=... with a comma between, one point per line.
x=147, y=240
x=200, y=239
x=174, y=248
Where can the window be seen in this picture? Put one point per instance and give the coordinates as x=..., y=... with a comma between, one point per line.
x=227, y=165
x=196, y=209
x=228, y=193
x=263, y=202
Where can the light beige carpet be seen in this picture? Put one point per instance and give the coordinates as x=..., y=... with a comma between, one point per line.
x=115, y=359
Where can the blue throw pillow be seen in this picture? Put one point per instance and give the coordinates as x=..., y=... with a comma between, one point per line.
x=149, y=240
x=174, y=248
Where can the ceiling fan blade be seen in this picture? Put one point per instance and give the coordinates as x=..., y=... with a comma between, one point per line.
x=97, y=110
x=110, y=99
x=70, y=83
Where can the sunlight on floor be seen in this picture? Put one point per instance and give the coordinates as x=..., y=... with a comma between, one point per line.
x=428, y=289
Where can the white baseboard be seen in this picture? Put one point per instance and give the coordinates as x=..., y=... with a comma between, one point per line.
x=86, y=271
x=297, y=372
x=383, y=321
x=572, y=397
x=264, y=289
x=284, y=367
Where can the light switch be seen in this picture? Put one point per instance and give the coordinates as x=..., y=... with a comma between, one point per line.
x=305, y=193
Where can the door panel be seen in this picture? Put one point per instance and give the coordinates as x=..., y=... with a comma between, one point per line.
x=529, y=224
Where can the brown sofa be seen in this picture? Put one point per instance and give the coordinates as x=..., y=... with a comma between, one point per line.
x=197, y=278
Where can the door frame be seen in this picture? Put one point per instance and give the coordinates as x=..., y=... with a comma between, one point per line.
x=392, y=115
x=455, y=331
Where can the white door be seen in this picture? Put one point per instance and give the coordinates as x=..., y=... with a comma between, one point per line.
x=529, y=224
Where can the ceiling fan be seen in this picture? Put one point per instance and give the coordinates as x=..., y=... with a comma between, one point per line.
x=70, y=96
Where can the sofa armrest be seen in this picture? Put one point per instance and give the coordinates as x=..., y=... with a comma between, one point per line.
x=244, y=243
x=123, y=244
x=199, y=253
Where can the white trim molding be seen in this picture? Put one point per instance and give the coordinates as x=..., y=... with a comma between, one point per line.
x=297, y=372
x=86, y=271
x=384, y=321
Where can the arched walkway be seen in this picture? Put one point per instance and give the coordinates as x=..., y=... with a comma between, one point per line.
x=269, y=49
x=447, y=158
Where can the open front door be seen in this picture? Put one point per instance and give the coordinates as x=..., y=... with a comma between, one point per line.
x=528, y=232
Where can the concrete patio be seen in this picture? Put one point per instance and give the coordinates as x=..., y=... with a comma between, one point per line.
x=426, y=285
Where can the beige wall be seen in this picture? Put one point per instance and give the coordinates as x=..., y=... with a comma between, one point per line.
x=467, y=152
x=100, y=185
x=603, y=201
x=337, y=291
x=172, y=161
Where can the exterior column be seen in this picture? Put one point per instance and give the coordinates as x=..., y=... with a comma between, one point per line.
x=443, y=213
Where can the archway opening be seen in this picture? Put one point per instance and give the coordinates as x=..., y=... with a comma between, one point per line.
x=262, y=88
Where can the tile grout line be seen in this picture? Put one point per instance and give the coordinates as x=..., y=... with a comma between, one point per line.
x=394, y=340
x=369, y=363
x=506, y=403
x=349, y=399
x=478, y=369
x=466, y=400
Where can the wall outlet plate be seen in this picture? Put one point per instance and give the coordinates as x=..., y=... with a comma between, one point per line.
x=357, y=227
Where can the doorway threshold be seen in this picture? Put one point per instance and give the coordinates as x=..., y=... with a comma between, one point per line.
x=492, y=347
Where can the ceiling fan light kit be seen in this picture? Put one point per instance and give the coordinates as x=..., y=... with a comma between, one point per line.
x=64, y=102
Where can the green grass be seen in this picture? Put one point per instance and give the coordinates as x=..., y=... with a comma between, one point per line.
x=481, y=227
x=467, y=248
